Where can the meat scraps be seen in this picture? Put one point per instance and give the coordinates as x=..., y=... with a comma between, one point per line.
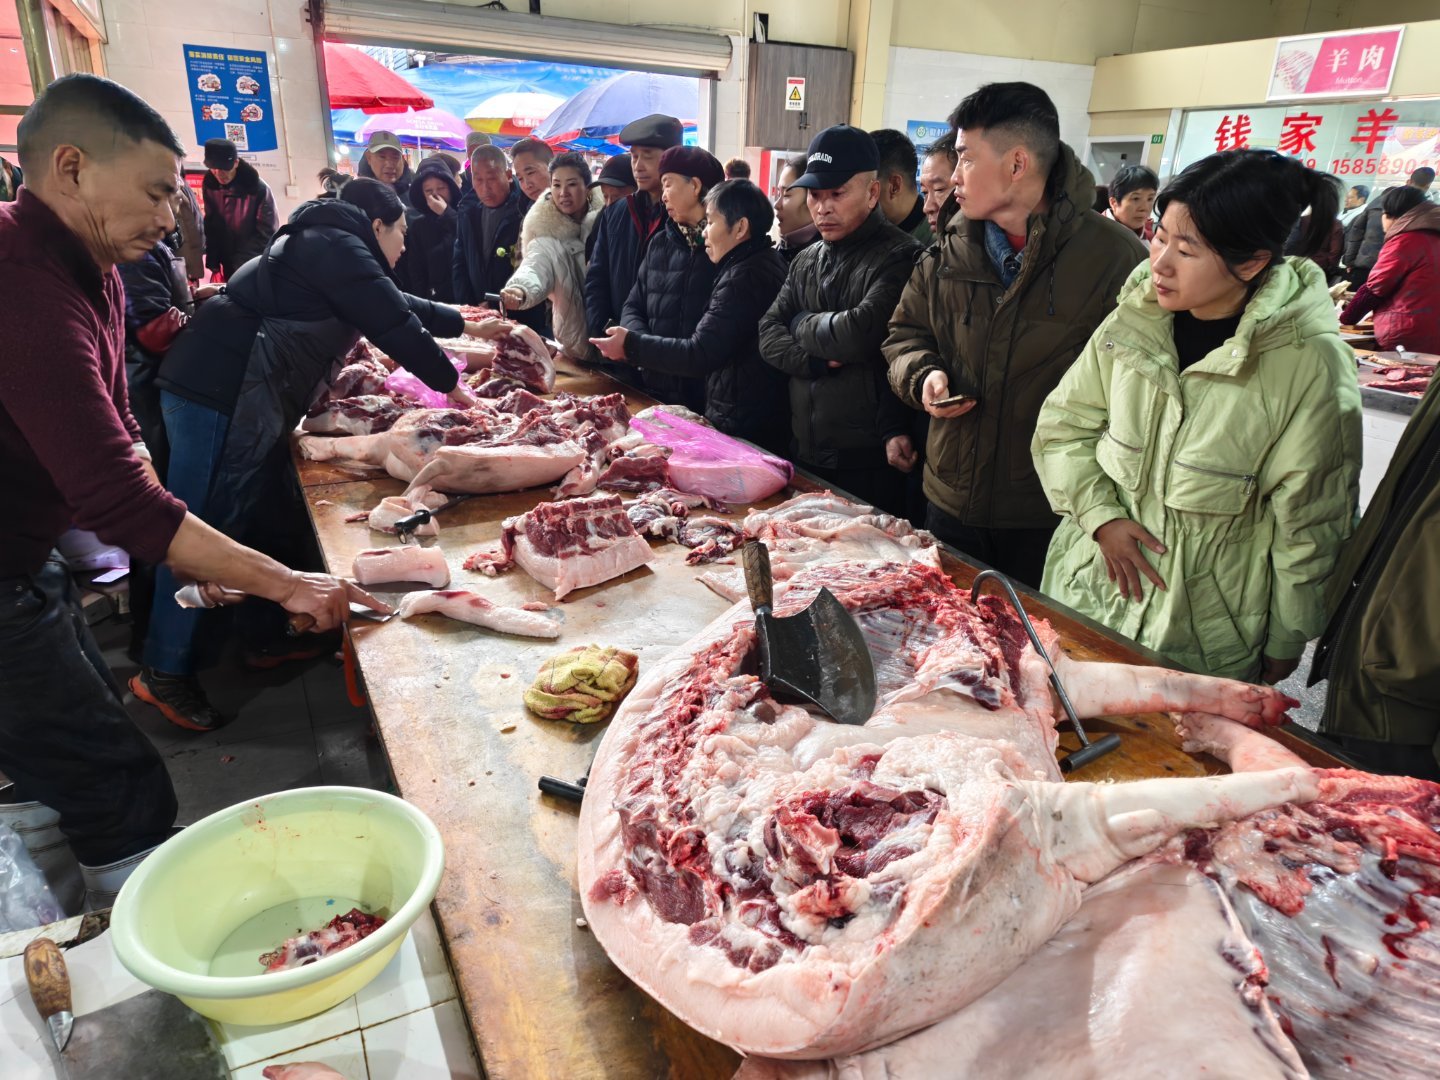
x=339, y=933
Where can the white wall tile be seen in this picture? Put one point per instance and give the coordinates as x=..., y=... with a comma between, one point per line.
x=288, y=17
x=130, y=41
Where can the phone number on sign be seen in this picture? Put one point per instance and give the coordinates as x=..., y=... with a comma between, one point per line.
x=1377, y=166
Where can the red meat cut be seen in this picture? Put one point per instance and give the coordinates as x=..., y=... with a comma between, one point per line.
x=574, y=544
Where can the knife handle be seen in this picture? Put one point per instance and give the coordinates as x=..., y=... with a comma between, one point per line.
x=48, y=978
x=756, y=559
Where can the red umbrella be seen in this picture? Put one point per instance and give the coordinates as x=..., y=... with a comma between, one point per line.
x=358, y=82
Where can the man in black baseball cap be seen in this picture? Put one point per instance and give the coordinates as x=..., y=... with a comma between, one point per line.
x=616, y=179
x=625, y=228
x=833, y=312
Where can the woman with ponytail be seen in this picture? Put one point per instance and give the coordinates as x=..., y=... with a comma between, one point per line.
x=1205, y=447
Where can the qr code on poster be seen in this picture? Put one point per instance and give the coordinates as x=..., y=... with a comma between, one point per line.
x=236, y=134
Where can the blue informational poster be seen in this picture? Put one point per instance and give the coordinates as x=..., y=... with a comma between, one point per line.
x=230, y=94
x=923, y=133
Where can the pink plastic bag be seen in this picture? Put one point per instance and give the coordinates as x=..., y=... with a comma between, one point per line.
x=706, y=462
x=401, y=381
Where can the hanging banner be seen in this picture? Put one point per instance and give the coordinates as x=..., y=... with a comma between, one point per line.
x=1335, y=65
x=923, y=133
x=230, y=96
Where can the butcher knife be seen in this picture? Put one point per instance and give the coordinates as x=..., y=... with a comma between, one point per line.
x=818, y=654
x=153, y=1035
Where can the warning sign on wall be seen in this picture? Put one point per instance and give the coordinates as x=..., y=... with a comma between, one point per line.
x=794, y=94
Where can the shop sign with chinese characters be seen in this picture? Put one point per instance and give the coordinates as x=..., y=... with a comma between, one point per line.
x=1335, y=65
x=1385, y=141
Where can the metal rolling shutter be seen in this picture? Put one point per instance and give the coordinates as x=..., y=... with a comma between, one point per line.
x=420, y=24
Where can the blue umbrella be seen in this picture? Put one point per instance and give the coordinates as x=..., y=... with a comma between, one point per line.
x=605, y=108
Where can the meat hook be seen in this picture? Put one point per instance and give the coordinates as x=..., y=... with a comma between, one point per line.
x=1088, y=751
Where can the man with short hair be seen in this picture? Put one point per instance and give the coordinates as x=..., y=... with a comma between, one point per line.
x=240, y=214
x=530, y=159
x=825, y=328
x=737, y=168
x=487, y=234
x=792, y=212
x=625, y=228
x=101, y=167
x=994, y=315
x=936, y=169
x=473, y=141
x=904, y=206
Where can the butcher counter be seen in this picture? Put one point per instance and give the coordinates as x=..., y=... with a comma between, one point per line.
x=541, y=997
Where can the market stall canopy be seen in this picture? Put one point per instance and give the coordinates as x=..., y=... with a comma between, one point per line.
x=512, y=113
x=427, y=126
x=355, y=81
x=605, y=108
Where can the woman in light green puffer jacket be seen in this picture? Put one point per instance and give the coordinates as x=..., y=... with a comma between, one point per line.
x=1205, y=447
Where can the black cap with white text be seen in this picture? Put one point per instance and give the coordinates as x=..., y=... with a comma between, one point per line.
x=837, y=154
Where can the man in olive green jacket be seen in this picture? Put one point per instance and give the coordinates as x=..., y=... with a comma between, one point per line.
x=1245, y=468
x=1379, y=651
x=997, y=312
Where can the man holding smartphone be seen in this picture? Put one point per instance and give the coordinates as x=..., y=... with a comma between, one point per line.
x=995, y=313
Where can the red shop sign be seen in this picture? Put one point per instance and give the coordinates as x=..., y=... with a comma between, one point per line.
x=1335, y=65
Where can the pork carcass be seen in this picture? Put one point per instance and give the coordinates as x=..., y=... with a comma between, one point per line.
x=520, y=355
x=408, y=562
x=574, y=544
x=362, y=376
x=642, y=469
x=406, y=447
x=485, y=470
x=798, y=888
x=365, y=415
x=466, y=606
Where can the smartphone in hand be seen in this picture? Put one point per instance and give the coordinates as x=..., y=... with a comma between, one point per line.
x=957, y=399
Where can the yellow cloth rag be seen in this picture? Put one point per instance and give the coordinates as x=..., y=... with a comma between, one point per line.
x=582, y=685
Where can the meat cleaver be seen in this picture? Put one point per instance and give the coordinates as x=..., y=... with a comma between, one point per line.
x=153, y=1035
x=818, y=654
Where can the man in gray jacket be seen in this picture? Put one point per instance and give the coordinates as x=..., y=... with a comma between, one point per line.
x=826, y=326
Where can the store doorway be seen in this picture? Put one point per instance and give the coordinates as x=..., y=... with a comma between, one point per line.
x=1106, y=157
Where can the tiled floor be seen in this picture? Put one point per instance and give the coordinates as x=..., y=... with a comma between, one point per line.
x=295, y=727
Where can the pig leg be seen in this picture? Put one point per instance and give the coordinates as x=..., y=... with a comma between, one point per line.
x=1099, y=689
x=1243, y=749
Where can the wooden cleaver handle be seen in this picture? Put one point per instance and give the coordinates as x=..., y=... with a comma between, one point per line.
x=49, y=980
x=756, y=559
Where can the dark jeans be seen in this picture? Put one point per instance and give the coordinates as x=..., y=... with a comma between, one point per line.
x=882, y=487
x=65, y=739
x=1391, y=759
x=1016, y=553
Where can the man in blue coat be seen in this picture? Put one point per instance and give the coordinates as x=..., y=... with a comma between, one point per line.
x=626, y=227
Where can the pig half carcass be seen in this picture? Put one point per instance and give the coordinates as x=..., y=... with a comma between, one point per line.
x=798, y=888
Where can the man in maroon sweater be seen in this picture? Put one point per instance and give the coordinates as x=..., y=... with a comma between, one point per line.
x=100, y=168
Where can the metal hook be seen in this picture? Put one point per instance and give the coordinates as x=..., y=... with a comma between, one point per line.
x=1088, y=751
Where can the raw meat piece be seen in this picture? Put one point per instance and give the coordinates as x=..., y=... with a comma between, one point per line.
x=710, y=463
x=393, y=508
x=409, y=562
x=518, y=401
x=486, y=385
x=520, y=355
x=798, y=888
x=339, y=933
x=301, y=1070
x=359, y=378
x=404, y=449
x=1414, y=384
x=644, y=469
x=710, y=538
x=1341, y=896
x=574, y=544
x=365, y=415
x=653, y=515
x=661, y=411
x=473, y=608
x=1152, y=977
x=486, y=470
x=488, y=561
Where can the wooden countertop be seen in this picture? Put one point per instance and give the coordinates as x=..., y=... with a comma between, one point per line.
x=542, y=998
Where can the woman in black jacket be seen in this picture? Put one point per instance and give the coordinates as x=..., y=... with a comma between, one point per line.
x=744, y=396
x=430, y=244
x=243, y=372
x=673, y=284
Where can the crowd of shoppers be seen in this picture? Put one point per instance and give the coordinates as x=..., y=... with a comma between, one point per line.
x=1135, y=400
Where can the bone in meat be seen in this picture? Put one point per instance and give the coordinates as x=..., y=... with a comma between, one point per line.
x=574, y=544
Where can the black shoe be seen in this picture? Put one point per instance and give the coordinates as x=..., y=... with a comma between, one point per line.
x=180, y=699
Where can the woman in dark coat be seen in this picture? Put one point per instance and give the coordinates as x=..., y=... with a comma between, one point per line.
x=430, y=244
x=246, y=368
